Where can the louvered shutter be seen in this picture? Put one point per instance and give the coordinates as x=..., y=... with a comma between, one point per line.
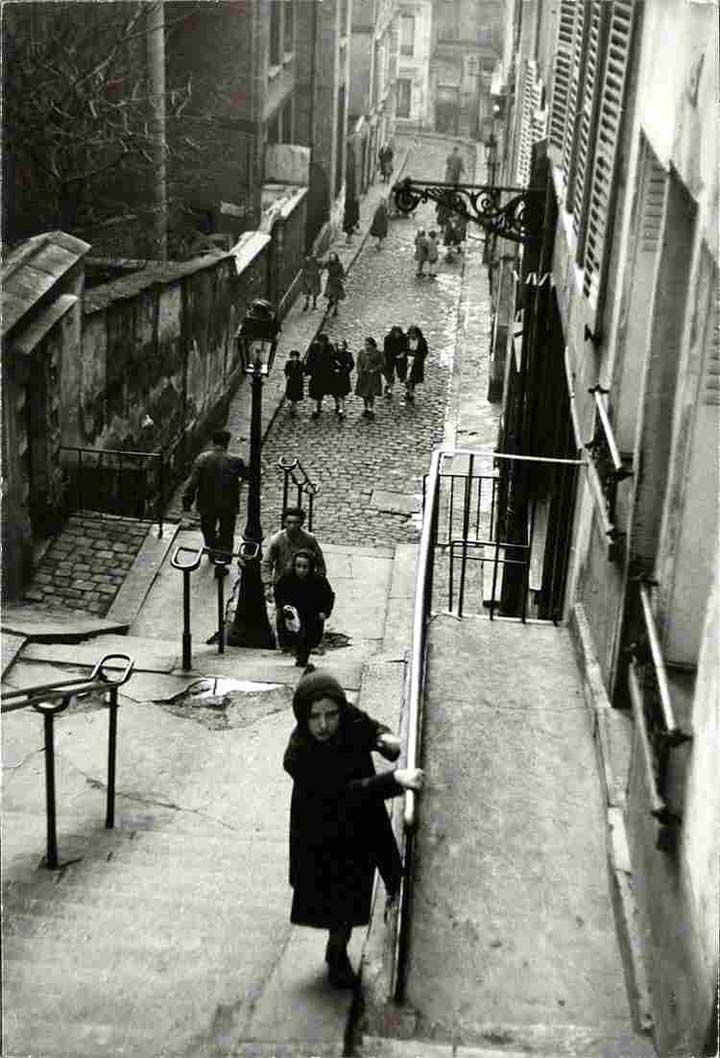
x=577, y=71
x=561, y=73
x=607, y=145
x=597, y=17
x=533, y=122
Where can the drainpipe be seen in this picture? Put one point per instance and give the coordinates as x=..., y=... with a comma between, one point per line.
x=158, y=144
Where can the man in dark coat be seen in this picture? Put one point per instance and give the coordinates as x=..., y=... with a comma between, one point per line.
x=215, y=481
x=339, y=828
x=320, y=366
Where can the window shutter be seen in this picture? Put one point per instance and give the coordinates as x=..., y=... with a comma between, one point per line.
x=576, y=74
x=561, y=73
x=598, y=13
x=607, y=144
x=533, y=122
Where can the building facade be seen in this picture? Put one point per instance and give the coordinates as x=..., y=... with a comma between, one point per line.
x=414, y=50
x=611, y=340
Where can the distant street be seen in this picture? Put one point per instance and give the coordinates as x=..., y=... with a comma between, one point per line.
x=351, y=460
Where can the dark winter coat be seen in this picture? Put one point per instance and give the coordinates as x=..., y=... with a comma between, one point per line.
x=351, y=215
x=343, y=364
x=334, y=289
x=295, y=380
x=319, y=364
x=369, y=366
x=395, y=352
x=310, y=278
x=339, y=828
x=311, y=595
x=379, y=226
x=417, y=360
x=215, y=482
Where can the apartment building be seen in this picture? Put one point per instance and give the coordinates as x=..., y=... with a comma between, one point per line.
x=467, y=38
x=412, y=90
x=610, y=328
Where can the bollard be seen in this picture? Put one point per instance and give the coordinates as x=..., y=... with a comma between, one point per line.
x=49, y=712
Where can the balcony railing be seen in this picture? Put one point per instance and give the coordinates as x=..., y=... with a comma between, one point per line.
x=611, y=469
x=655, y=721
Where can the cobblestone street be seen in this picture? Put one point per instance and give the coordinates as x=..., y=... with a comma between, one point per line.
x=369, y=471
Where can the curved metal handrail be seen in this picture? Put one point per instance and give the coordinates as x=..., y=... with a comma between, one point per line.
x=66, y=689
x=295, y=472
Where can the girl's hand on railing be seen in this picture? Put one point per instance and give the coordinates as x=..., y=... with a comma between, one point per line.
x=410, y=778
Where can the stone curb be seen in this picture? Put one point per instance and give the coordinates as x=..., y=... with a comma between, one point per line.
x=619, y=860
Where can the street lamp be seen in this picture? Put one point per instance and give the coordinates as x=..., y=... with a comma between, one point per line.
x=257, y=337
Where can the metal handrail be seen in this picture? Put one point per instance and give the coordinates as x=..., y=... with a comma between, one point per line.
x=295, y=472
x=50, y=699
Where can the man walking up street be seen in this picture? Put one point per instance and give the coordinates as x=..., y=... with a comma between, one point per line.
x=215, y=481
x=454, y=167
x=281, y=551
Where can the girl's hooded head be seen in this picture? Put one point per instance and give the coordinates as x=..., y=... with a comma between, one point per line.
x=323, y=691
x=306, y=567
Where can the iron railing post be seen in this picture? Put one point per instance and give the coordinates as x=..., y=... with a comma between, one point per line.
x=51, y=853
x=465, y=532
x=112, y=756
x=220, y=574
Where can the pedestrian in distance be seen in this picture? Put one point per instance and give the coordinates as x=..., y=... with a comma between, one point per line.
x=334, y=285
x=379, y=226
x=368, y=385
x=283, y=546
x=351, y=216
x=214, y=484
x=303, y=602
x=386, y=157
x=294, y=380
x=395, y=354
x=454, y=167
x=417, y=354
x=319, y=365
x=340, y=832
x=433, y=253
x=310, y=281
x=343, y=364
x=421, y=248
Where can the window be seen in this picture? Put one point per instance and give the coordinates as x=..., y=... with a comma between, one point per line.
x=289, y=26
x=275, y=20
x=485, y=36
x=407, y=35
x=404, y=97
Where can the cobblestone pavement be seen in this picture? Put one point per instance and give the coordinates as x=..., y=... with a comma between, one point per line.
x=84, y=567
x=367, y=471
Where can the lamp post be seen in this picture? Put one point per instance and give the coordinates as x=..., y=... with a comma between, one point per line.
x=257, y=337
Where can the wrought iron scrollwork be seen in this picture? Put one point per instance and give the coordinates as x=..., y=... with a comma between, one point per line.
x=518, y=218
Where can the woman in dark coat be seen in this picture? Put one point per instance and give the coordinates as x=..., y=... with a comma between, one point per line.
x=368, y=385
x=334, y=286
x=395, y=353
x=310, y=594
x=339, y=828
x=294, y=380
x=351, y=217
x=343, y=364
x=379, y=226
x=310, y=280
x=319, y=366
x=417, y=352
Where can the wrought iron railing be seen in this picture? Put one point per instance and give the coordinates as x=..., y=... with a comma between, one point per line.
x=122, y=482
x=51, y=699
x=297, y=481
x=658, y=730
x=611, y=469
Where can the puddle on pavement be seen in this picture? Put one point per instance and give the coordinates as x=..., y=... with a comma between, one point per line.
x=221, y=703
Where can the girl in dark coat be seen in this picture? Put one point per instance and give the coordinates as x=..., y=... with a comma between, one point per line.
x=339, y=828
x=351, y=217
x=319, y=365
x=379, y=226
x=343, y=364
x=310, y=280
x=417, y=352
x=334, y=288
x=312, y=597
x=370, y=363
x=294, y=380
x=395, y=352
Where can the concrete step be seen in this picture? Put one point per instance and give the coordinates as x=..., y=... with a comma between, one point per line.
x=517, y=1041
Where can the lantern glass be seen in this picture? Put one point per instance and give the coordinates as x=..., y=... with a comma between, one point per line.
x=257, y=337
x=257, y=354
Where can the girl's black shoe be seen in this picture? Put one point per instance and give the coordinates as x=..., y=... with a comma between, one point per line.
x=340, y=971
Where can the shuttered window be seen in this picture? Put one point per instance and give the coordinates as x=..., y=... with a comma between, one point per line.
x=561, y=73
x=577, y=70
x=600, y=200
x=534, y=121
x=597, y=17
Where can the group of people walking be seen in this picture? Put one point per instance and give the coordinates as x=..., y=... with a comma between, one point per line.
x=310, y=281
x=330, y=365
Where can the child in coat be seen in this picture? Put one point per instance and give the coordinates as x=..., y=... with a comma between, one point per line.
x=339, y=829
x=294, y=380
x=433, y=252
x=370, y=363
x=309, y=594
x=310, y=280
